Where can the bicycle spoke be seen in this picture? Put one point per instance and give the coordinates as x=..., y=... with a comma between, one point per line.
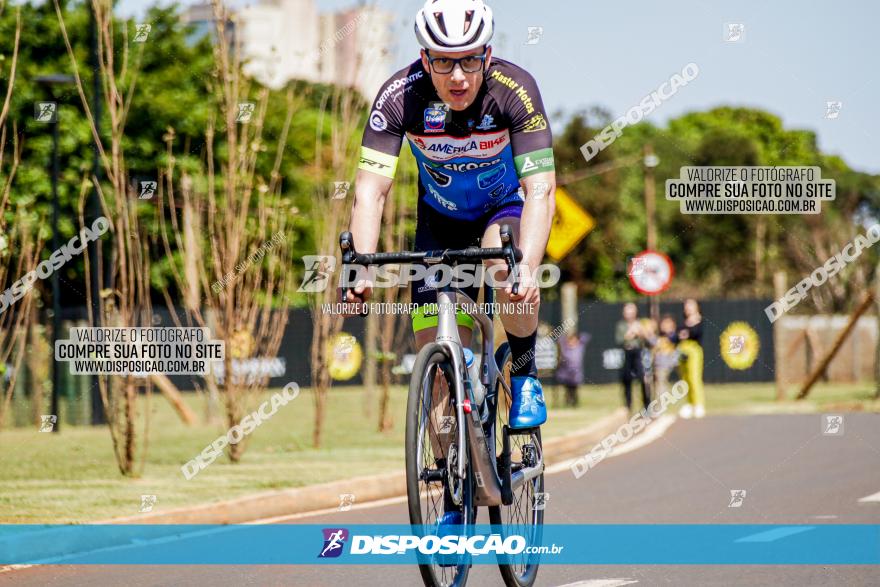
x=436, y=441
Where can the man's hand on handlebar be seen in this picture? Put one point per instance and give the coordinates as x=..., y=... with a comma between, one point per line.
x=528, y=291
x=359, y=294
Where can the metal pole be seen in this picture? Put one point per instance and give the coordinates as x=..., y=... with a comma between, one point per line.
x=780, y=286
x=650, y=219
x=56, y=285
x=94, y=211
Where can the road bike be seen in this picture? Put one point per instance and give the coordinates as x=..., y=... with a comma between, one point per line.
x=456, y=460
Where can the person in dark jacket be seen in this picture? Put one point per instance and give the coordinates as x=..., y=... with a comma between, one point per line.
x=570, y=372
x=632, y=338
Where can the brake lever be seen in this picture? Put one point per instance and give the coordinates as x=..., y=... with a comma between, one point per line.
x=349, y=254
x=510, y=256
x=346, y=244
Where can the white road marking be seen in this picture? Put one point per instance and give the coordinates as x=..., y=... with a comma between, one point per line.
x=657, y=428
x=9, y=568
x=356, y=506
x=651, y=433
x=826, y=517
x=601, y=583
x=871, y=498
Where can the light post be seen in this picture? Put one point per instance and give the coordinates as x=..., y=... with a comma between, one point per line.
x=651, y=161
x=49, y=82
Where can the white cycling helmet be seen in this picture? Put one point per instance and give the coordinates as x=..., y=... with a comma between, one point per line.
x=454, y=25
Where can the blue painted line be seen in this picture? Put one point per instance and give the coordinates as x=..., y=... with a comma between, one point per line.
x=775, y=534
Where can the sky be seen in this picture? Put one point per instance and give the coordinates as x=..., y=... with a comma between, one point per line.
x=792, y=59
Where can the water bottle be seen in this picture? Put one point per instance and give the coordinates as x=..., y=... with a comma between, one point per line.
x=474, y=376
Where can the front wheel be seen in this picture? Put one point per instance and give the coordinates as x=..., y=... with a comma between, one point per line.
x=432, y=455
x=525, y=515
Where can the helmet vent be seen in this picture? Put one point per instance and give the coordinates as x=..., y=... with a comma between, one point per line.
x=468, y=19
x=438, y=16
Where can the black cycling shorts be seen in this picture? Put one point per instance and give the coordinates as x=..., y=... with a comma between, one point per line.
x=436, y=231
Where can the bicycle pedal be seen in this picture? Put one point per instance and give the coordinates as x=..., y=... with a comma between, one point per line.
x=521, y=431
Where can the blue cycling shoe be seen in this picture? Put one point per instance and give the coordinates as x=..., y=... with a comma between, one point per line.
x=528, y=409
x=453, y=518
x=446, y=527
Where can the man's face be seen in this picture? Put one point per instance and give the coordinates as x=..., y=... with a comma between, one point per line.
x=630, y=312
x=458, y=88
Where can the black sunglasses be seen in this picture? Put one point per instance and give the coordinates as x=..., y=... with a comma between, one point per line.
x=469, y=64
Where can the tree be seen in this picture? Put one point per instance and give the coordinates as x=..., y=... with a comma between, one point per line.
x=715, y=255
x=19, y=244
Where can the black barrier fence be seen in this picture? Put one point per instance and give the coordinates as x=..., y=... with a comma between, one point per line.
x=599, y=319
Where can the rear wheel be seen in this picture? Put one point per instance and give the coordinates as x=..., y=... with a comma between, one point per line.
x=432, y=457
x=525, y=515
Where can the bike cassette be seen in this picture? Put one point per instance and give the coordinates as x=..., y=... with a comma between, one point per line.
x=529, y=455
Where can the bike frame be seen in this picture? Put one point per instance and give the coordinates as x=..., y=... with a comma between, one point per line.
x=491, y=489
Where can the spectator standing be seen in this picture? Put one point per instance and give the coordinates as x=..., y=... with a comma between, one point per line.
x=665, y=354
x=691, y=349
x=570, y=372
x=631, y=337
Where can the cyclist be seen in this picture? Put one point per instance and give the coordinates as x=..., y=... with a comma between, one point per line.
x=479, y=133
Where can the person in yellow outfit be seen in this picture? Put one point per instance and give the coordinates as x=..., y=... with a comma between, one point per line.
x=691, y=349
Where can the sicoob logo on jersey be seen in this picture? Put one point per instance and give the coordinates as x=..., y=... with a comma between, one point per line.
x=435, y=119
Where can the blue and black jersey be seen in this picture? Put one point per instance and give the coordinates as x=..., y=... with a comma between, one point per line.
x=470, y=162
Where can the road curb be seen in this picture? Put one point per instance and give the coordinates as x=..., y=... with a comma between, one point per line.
x=313, y=498
x=48, y=542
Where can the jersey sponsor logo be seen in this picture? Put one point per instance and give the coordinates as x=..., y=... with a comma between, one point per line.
x=469, y=166
x=515, y=87
x=489, y=178
x=498, y=192
x=448, y=204
x=493, y=142
x=440, y=179
x=445, y=148
x=536, y=123
x=537, y=163
x=372, y=163
x=378, y=122
x=451, y=148
x=435, y=120
x=396, y=85
x=488, y=123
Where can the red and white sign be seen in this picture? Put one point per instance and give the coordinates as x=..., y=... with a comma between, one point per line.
x=650, y=272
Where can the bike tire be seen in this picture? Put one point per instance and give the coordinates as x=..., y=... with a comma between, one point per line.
x=524, y=573
x=431, y=360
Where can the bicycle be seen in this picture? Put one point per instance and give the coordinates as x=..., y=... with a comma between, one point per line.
x=455, y=458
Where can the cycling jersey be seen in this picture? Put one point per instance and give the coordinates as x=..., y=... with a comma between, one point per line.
x=470, y=162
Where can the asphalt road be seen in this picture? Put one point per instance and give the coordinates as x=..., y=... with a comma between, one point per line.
x=793, y=474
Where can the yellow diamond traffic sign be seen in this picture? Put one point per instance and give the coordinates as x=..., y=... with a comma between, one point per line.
x=571, y=223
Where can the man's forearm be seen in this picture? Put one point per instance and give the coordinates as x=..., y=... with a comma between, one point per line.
x=537, y=218
x=366, y=219
x=366, y=214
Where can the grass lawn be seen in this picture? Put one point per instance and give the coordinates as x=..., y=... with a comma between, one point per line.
x=72, y=476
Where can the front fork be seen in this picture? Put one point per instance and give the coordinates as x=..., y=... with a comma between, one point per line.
x=531, y=460
x=491, y=488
